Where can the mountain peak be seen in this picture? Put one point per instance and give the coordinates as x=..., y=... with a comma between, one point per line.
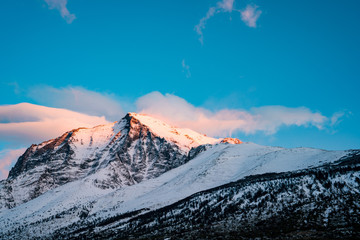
x=231, y=140
x=183, y=137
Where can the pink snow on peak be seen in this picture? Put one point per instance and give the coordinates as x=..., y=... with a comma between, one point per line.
x=183, y=137
x=231, y=141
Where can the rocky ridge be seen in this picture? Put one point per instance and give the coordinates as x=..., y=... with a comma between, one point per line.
x=127, y=152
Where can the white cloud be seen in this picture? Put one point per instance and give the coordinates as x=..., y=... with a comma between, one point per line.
x=186, y=69
x=7, y=159
x=25, y=123
x=80, y=100
x=267, y=119
x=250, y=15
x=60, y=5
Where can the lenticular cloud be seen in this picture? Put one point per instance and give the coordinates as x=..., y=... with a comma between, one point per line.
x=27, y=123
x=267, y=119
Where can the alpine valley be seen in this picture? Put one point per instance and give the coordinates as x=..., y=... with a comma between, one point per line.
x=141, y=178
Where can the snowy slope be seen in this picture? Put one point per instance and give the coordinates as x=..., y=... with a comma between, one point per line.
x=316, y=203
x=219, y=164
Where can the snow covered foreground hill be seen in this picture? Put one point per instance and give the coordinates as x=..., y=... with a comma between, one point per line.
x=106, y=180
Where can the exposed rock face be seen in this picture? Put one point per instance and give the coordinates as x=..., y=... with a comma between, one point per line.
x=231, y=141
x=121, y=153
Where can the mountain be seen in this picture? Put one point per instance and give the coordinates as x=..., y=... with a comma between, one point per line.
x=136, y=148
x=141, y=178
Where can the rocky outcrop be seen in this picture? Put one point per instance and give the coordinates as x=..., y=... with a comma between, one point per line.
x=231, y=141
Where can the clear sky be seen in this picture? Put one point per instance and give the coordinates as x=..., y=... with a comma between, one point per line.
x=266, y=63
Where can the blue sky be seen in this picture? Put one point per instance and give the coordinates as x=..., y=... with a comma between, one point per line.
x=252, y=54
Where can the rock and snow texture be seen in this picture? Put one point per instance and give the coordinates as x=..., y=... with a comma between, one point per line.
x=216, y=165
x=231, y=141
x=136, y=148
x=182, y=137
x=102, y=177
x=316, y=203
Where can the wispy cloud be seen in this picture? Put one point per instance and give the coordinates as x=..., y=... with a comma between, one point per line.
x=267, y=119
x=201, y=25
x=80, y=100
x=222, y=6
x=60, y=5
x=250, y=15
x=186, y=69
x=338, y=117
x=7, y=160
x=23, y=124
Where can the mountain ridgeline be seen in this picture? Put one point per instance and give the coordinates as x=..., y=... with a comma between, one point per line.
x=122, y=153
x=141, y=178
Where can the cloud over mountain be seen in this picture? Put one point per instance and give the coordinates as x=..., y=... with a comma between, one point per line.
x=27, y=123
x=24, y=124
x=224, y=122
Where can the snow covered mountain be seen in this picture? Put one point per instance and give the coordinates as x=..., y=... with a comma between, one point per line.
x=136, y=148
x=142, y=178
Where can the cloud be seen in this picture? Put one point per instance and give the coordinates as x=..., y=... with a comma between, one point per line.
x=186, y=69
x=226, y=5
x=250, y=15
x=23, y=124
x=201, y=25
x=337, y=117
x=7, y=160
x=267, y=119
x=60, y=5
x=80, y=100
x=222, y=6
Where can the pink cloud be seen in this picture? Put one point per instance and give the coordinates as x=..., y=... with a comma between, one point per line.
x=8, y=159
x=250, y=15
x=222, y=123
x=80, y=100
x=27, y=123
x=60, y=5
x=24, y=124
